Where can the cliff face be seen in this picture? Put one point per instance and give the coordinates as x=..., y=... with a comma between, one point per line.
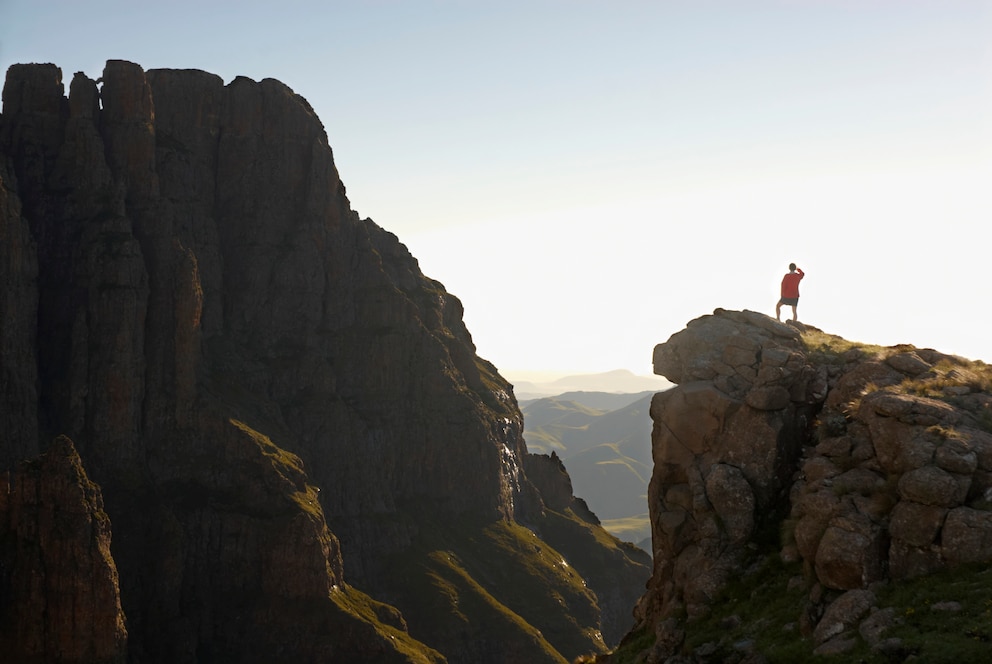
x=862, y=465
x=277, y=405
x=61, y=597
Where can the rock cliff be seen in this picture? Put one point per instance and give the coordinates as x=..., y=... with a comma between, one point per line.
x=298, y=451
x=860, y=466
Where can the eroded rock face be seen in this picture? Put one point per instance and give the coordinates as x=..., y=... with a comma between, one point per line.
x=61, y=598
x=270, y=394
x=876, y=459
x=725, y=442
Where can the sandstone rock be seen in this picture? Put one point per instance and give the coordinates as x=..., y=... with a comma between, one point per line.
x=875, y=485
x=768, y=397
x=835, y=447
x=956, y=456
x=851, y=384
x=979, y=442
x=931, y=485
x=872, y=629
x=859, y=480
x=724, y=344
x=816, y=511
x=548, y=474
x=967, y=536
x=843, y=614
x=916, y=524
x=912, y=410
x=733, y=501
x=64, y=601
x=849, y=559
x=909, y=363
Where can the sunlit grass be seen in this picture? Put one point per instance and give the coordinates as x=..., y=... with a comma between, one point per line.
x=824, y=348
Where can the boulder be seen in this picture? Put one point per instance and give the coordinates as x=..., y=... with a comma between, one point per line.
x=915, y=523
x=966, y=536
x=843, y=615
x=931, y=485
x=850, y=554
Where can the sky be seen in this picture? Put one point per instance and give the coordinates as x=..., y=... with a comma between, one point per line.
x=589, y=176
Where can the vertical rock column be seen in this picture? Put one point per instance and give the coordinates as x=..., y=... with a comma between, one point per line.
x=725, y=444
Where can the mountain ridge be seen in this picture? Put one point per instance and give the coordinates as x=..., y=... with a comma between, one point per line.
x=603, y=439
x=277, y=408
x=617, y=381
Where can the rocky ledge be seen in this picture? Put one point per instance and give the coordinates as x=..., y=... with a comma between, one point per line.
x=862, y=465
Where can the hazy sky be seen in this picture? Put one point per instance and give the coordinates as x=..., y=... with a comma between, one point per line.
x=589, y=176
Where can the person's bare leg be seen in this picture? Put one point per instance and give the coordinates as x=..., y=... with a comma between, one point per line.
x=794, y=313
x=778, y=311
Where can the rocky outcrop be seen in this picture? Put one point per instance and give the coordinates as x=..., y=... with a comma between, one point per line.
x=61, y=599
x=725, y=443
x=872, y=463
x=278, y=407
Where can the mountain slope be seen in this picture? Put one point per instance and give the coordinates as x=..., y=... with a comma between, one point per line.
x=274, y=402
x=605, y=449
x=617, y=382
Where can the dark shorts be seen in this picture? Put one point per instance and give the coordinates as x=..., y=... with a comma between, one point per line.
x=791, y=301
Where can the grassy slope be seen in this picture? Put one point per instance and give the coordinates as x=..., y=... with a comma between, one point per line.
x=495, y=589
x=607, y=453
x=764, y=608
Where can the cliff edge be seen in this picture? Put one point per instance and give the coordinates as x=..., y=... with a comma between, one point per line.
x=850, y=469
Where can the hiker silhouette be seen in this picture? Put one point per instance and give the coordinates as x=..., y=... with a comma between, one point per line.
x=790, y=291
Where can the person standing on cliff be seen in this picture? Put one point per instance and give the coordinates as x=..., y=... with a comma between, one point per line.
x=790, y=291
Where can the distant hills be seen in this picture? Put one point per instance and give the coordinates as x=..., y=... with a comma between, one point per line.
x=620, y=381
x=604, y=439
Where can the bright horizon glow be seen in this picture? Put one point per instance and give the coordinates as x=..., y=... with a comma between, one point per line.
x=588, y=177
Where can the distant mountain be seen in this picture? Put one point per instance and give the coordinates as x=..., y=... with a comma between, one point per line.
x=620, y=381
x=605, y=442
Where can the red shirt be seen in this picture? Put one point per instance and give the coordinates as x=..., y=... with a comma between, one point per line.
x=790, y=283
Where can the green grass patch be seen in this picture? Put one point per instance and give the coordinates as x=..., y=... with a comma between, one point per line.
x=486, y=584
x=942, y=618
x=289, y=466
x=759, y=607
x=385, y=620
x=824, y=348
x=931, y=630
